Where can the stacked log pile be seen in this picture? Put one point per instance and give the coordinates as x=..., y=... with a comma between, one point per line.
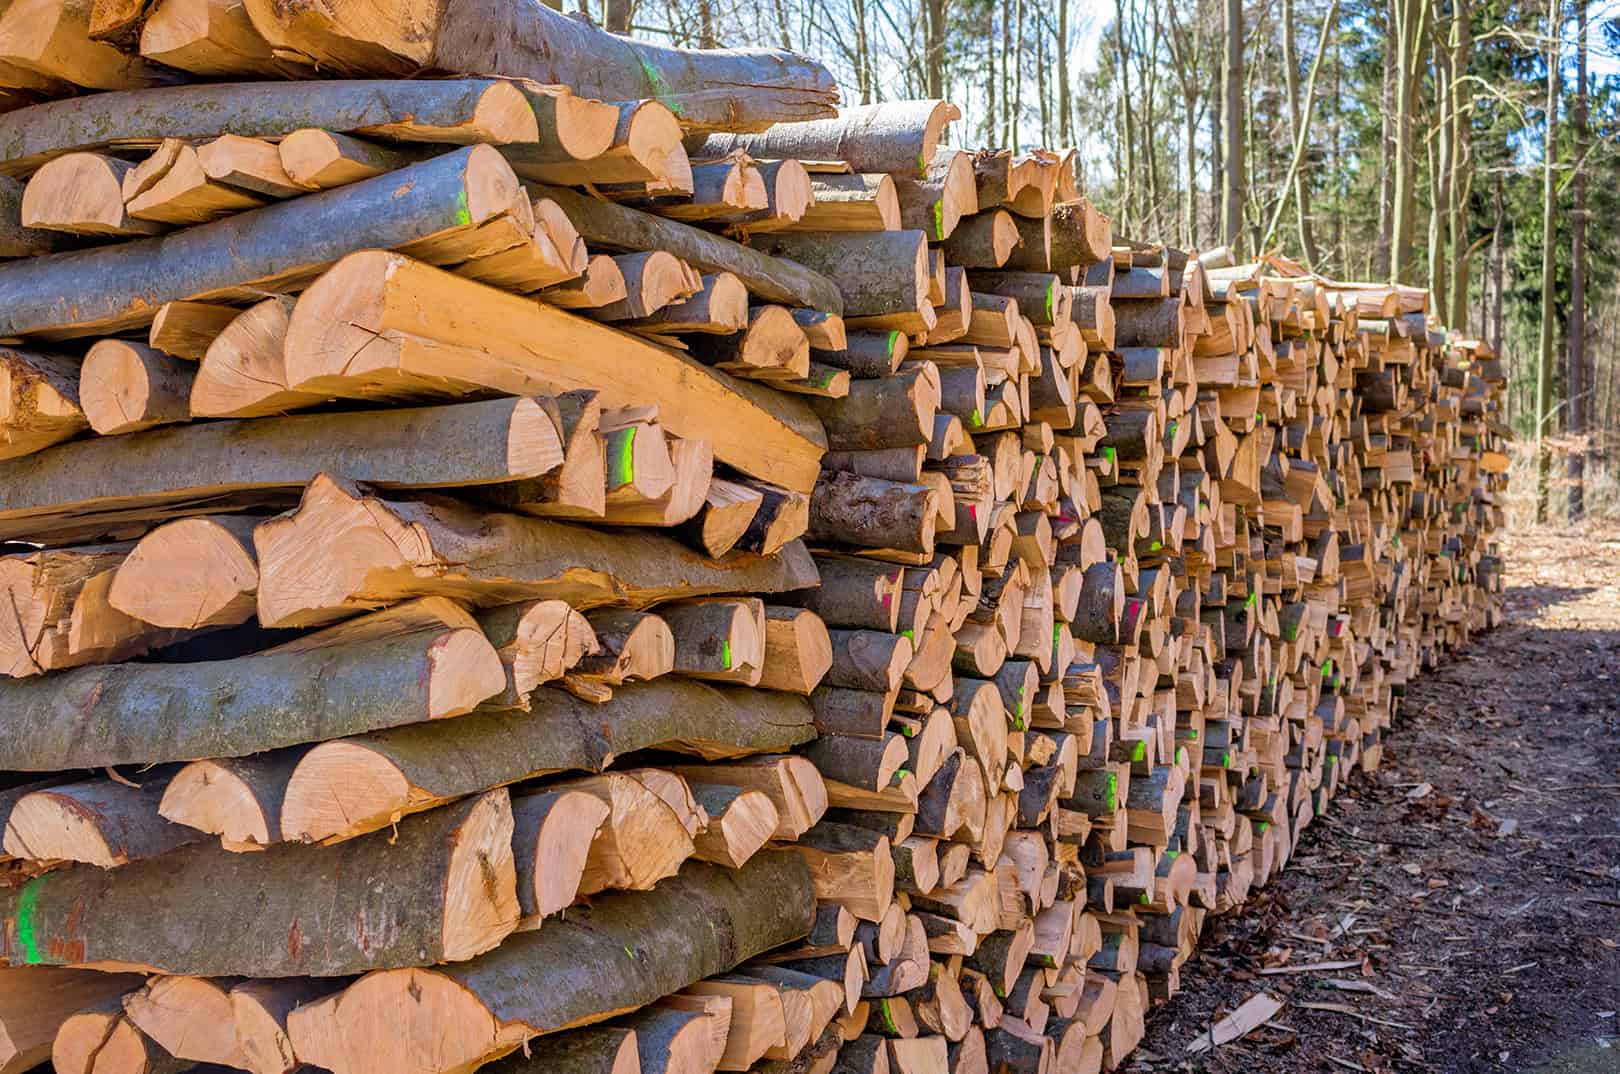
x=572, y=568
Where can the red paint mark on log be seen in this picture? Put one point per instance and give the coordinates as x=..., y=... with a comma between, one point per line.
x=404, y=189
x=295, y=941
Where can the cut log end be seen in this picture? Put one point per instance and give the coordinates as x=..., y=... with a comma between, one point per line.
x=464, y=671
x=190, y=574
x=481, y=904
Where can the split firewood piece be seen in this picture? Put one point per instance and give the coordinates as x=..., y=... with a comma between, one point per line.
x=185, y=329
x=102, y=822
x=639, y=946
x=273, y=699
x=850, y=866
x=652, y=280
x=868, y=354
x=783, y=517
x=82, y=194
x=458, y=551
x=1073, y=236
x=771, y=347
x=682, y=1032
x=788, y=196
x=868, y=659
x=238, y=799
x=898, y=137
x=984, y=240
x=448, y=881
x=320, y=159
x=83, y=489
x=895, y=411
x=100, y=1039
x=821, y=381
x=171, y=187
x=604, y=224
x=36, y=1001
x=555, y=834
x=51, y=39
x=741, y=822
x=252, y=164
x=62, y=616
x=720, y=188
x=727, y=511
x=869, y=512
x=858, y=202
x=188, y=1017
x=353, y=334
x=864, y=763
x=758, y=1018
x=458, y=112
x=718, y=639
x=125, y=387
x=190, y=574
x=798, y=652
x=259, y=1010
x=117, y=287
x=856, y=593
x=936, y=205
x=645, y=146
x=349, y=786
x=720, y=308
x=551, y=253
x=631, y=646
x=793, y=785
x=538, y=642
x=40, y=404
x=602, y=1049
x=599, y=283
x=877, y=273
x=211, y=38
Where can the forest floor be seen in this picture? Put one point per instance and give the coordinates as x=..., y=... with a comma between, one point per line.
x=1472, y=883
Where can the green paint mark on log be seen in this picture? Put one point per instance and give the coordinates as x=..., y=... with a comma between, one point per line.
x=725, y=654
x=463, y=216
x=1051, y=294
x=975, y=420
x=1113, y=791
x=939, y=220
x=1139, y=751
x=888, y=1019
x=909, y=634
x=1252, y=598
x=894, y=338
x=1155, y=546
x=25, y=921
x=624, y=459
x=1109, y=454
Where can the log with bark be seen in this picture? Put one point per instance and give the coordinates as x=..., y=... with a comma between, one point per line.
x=440, y=888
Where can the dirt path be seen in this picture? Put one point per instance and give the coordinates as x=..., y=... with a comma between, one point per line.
x=1476, y=877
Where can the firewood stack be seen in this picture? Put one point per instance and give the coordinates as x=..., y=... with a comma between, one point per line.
x=569, y=567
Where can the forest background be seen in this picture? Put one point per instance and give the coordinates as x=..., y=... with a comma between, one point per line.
x=1471, y=146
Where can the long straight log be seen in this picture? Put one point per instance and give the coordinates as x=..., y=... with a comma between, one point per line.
x=91, y=487
x=148, y=713
x=384, y=326
x=709, y=89
x=621, y=953
x=113, y=288
x=442, y=887
x=602, y=223
x=898, y=137
x=450, y=112
x=340, y=552
x=354, y=785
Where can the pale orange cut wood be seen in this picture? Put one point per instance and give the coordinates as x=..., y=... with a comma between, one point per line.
x=82, y=194
x=190, y=1017
x=359, y=332
x=212, y=38
x=741, y=821
x=599, y=283
x=538, y=642
x=35, y=1001
x=190, y=574
x=798, y=651
x=553, y=834
x=259, y=1010
x=320, y=160
x=185, y=329
x=722, y=640
x=632, y=646
x=102, y=1040
x=52, y=38
x=641, y=841
x=125, y=387
x=252, y=164
x=39, y=401
x=243, y=373
x=183, y=194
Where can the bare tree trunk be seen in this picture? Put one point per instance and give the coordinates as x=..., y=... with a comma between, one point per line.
x=1233, y=174
x=1040, y=85
x=706, y=38
x=1017, y=55
x=1065, y=123
x=1498, y=269
x=1128, y=180
x=1549, y=237
x=1411, y=17
x=1575, y=377
x=1007, y=60
x=1386, y=170
x=616, y=16
x=1302, y=183
x=990, y=73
